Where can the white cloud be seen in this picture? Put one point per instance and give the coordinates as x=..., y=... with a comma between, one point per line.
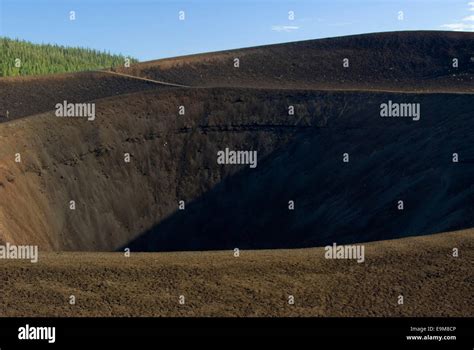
x=459, y=27
x=285, y=28
x=462, y=26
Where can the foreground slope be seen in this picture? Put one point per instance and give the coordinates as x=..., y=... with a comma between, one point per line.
x=258, y=283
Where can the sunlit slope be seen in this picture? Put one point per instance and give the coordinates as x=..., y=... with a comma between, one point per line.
x=400, y=61
x=257, y=283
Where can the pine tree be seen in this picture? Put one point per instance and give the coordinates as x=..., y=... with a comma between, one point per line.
x=48, y=59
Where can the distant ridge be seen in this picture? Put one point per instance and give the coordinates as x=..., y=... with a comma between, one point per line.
x=399, y=61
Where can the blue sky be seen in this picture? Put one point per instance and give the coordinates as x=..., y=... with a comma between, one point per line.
x=151, y=29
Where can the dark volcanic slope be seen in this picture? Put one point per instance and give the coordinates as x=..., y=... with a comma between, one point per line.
x=299, y=158
x=32, y=95
x=390, y=160
x=173, y=157
x=406, y=61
